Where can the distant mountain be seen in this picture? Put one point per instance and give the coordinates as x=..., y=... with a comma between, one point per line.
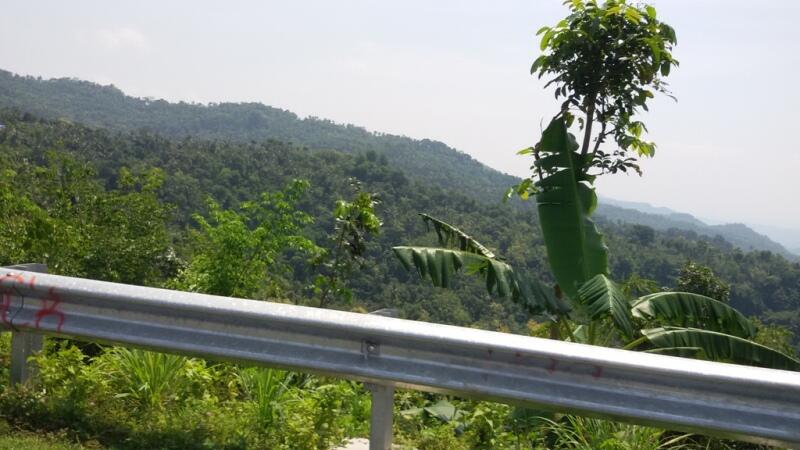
x=424, y=160
x=660, y=218
x=657, y=210
x=788, y=237
x=639, y=206
x=429, y=162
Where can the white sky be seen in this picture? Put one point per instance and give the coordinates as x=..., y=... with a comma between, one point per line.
x=452, y=70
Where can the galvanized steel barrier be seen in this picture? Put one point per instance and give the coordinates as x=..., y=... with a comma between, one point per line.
x=754, y=404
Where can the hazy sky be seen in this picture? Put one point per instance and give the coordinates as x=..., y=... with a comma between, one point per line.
x=452, y=70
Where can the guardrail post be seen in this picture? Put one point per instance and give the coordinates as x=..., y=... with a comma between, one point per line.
x=380, y=424
x=23, y=343
x=23, y=346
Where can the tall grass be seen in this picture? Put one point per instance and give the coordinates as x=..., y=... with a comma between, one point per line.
x=583, y=433
x=268, y=389
x=149, y=378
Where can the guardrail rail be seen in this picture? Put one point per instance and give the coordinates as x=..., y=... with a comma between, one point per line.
x=725, y=400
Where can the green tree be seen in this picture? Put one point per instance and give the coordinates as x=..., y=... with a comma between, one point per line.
x=606, y=60
x=700, y=279
x=354, y=222
x=236, y=253
x=59, y=214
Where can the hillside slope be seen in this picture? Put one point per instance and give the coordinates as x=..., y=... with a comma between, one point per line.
x=108, y=107
x=737, y=234
x=762, y=283
x=430, y=163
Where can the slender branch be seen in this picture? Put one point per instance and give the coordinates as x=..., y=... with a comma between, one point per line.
x=538, y=167
x=587, y=134
x=333, y=275
x=601, y=137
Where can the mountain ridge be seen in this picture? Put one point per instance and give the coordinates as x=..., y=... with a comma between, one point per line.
x=108, y=107
x=427, y=161
x=739, y=234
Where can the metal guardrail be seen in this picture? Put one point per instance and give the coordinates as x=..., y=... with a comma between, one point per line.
x=748, y=403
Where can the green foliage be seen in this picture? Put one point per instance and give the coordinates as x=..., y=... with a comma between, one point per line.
x=450, y=236
x=643, y=226
x=636, y=286
x=717, y=347
x=700, y=279
x=131, y=399
x=583, y=433
x=440, y=264
x=606, y=60
x=11, y=439
x=694, y=311
x=566, y=200
x=424, y=161
x=602, y=297
x=67, y=382
x=236, y=252
x=775, y=337
x=224, y=407
x=762, y=283
x=269, y=390
x=57, y=213
x=149, y=379
x=427, y=421
x=354, y=222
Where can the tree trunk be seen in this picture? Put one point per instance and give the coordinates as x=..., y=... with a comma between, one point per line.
x=587, y=134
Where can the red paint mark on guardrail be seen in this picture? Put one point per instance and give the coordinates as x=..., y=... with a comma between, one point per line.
x=6, y=305
x=6, y=292
x=50, y=302
x=50, y=310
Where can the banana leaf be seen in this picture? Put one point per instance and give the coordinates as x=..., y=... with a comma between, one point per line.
x=441, y=265
x=575, y=248
x=601, y=297
x=719, y=347
x=688, y=310
x=451, y=236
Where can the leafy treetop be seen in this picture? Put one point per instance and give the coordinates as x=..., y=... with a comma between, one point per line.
x=607, y=60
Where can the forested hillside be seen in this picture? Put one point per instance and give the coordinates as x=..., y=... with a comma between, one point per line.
x=428, y=162
x=762, y=283
x=108, y=107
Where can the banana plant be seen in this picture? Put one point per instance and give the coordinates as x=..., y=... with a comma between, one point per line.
x=458, y=251
x=672, y=323
x=675, y=323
